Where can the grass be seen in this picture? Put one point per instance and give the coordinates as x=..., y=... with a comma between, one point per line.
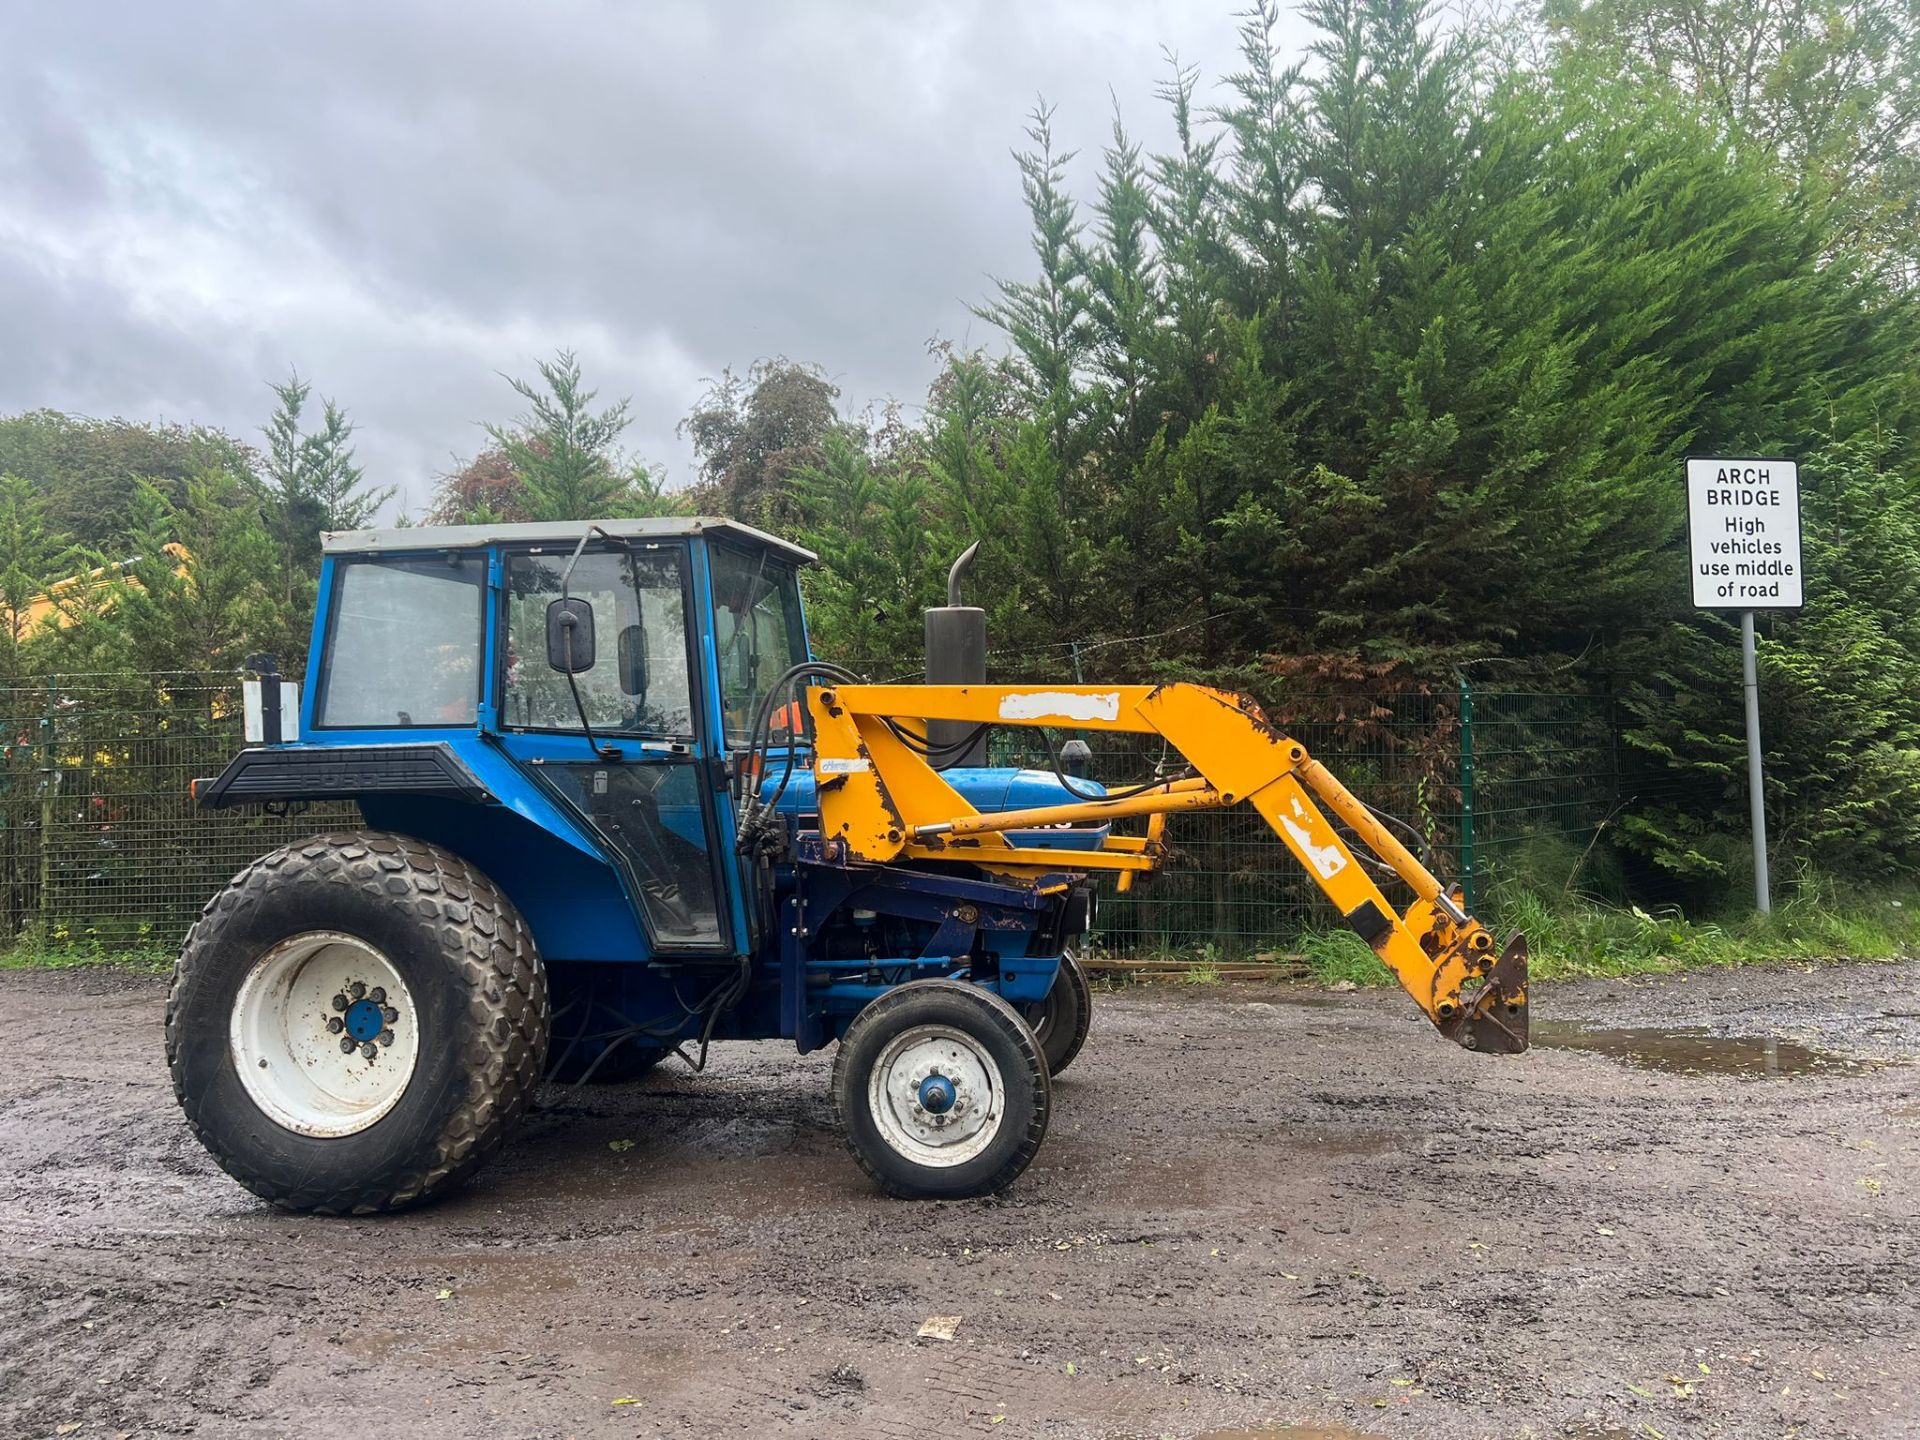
x=1581, y=938
x=1571, y=938
x=30, y=954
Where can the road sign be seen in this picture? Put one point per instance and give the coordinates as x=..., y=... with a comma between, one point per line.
x=1743, y=534
x=1743, y=543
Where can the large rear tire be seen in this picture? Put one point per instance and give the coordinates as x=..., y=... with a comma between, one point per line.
x=356, y=1022
x=1060, y=1021
x=942, y=1091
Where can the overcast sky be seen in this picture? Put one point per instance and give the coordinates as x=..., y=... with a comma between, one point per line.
x=405, y=199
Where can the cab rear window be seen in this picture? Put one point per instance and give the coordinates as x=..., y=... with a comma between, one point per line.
x=403, y=643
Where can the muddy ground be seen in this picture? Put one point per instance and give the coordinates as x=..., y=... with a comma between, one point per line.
x=1256, y=1210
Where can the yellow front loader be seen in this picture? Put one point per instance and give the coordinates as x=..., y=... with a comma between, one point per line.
x=882, y=801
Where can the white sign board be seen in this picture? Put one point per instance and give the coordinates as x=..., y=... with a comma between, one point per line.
x=1743, y=534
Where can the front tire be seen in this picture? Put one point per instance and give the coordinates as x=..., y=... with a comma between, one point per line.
x=355, y=1023
x=942, y=1091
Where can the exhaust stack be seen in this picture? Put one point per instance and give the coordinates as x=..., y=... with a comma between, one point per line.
x=956, y=655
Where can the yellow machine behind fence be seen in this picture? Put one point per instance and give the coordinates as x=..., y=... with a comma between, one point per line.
x=885, y=803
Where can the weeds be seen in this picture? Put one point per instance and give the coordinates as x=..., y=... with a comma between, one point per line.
x=1206, y=971
x=28, y=954
x=1575, y=937
x=1571, y=936
x=1337, y=955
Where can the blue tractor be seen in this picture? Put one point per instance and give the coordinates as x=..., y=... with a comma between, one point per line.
x=581, y=760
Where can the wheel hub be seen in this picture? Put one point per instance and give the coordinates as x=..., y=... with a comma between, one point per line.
x=364, y=1020
x=320, y=1034
x=936, y=1094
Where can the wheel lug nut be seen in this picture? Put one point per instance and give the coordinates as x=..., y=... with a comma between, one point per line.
x=389, y=1014
x=346, y=1044
x=339, y=1002
x=386, y=1037
x=334, y=1025
x=369, y=1050
x=378, y=995
x=358, y=989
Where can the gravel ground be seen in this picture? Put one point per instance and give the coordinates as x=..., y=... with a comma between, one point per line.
x=1258, y=1212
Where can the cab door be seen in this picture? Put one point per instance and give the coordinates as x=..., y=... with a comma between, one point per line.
x=620, y=743
x=759, y=633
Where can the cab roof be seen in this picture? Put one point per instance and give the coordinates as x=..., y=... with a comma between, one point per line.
x=554, y=532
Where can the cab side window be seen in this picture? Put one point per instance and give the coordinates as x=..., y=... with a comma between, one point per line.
x=403, y=643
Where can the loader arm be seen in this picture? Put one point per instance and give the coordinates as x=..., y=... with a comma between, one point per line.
x=880, y=798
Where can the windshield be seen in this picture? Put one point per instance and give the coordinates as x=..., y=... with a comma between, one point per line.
x=639, y=681
x=759, y=633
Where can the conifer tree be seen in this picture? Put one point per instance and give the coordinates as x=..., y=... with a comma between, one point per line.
x=32, y=558
x=565, y=452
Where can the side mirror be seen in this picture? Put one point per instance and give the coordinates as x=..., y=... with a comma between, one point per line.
x=633, y=660
x=570, y=636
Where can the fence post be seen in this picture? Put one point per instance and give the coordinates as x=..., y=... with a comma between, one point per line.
x=1467, y=882
x=49, y=778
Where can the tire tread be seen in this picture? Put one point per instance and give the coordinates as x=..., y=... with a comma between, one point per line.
x=503, y=1050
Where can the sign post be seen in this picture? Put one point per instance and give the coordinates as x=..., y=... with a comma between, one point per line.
x=1743, y=542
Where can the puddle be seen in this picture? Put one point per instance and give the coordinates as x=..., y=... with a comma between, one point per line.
x=1697, y=1052
x=1298, y=997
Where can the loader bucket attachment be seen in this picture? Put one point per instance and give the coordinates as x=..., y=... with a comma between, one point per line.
x=1495, y=1020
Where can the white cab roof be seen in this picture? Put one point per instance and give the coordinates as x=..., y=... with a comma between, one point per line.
x=553, y=532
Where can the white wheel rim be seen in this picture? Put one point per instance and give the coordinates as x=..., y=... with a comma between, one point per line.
x=299, y=1005
x=921, y=1068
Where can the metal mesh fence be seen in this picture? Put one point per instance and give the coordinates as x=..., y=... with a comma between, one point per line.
x=100, y=842
x=1540, y=779
x=1485, y=780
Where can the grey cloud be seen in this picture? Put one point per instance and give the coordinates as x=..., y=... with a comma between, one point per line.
x=404, y=199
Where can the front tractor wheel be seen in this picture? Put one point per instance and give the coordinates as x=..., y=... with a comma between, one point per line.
x=942, y=1090
x=355, y=1023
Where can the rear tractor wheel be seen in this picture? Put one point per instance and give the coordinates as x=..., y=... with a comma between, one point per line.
x=355, y=1023
x=942, y=1091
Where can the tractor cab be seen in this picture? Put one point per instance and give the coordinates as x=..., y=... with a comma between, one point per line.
x=595, y=680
